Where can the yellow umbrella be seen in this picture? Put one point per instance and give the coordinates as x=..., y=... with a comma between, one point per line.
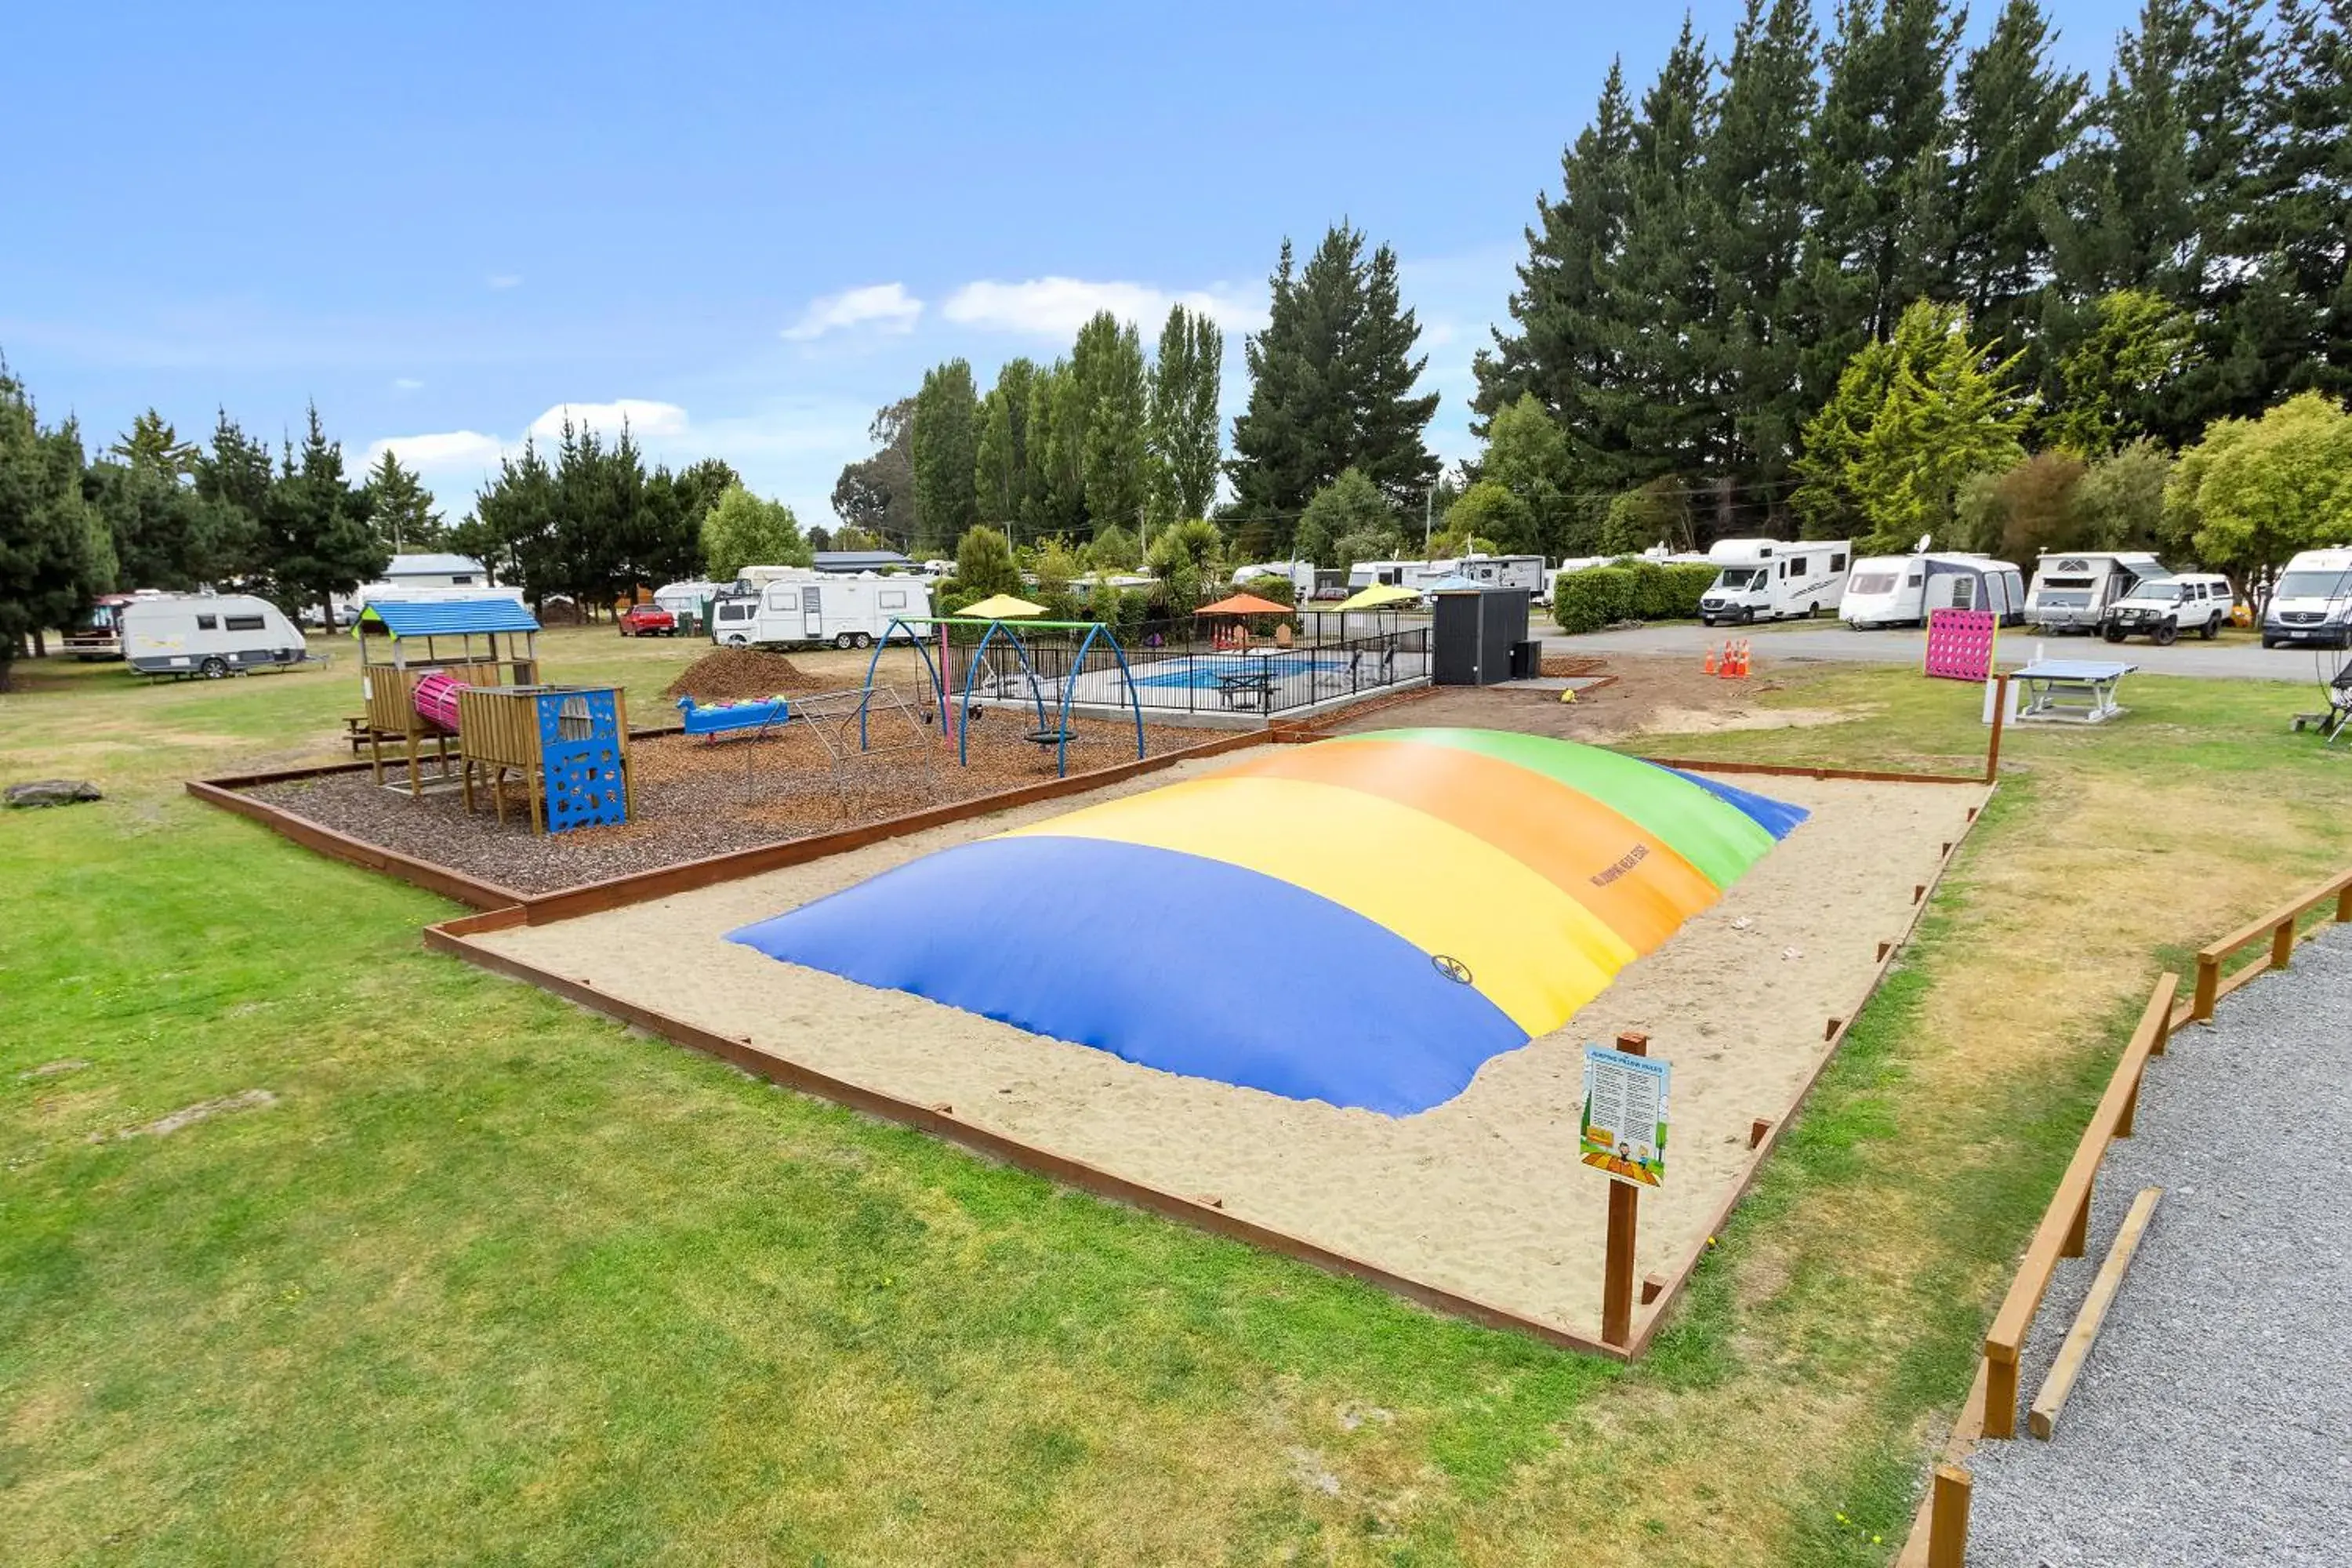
x=1378, y=596
x=1000, y=607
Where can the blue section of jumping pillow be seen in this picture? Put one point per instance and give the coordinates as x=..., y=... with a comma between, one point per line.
x=1777, y=817
x=1169, y=959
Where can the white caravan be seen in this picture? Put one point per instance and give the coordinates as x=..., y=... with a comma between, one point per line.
x=1505, y=571
x=1899, y=590
x=1299, y=574
x=2311, y=602
x=2073, y=589
x=848, y=612
x=208, y=634
x=1773, y=579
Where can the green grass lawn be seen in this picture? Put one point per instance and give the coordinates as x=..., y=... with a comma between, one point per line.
x=494, y=1279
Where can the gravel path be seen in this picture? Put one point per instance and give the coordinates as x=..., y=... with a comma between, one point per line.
x=2213, y=1422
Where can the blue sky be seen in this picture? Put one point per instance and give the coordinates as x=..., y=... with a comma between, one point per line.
x=751, y=226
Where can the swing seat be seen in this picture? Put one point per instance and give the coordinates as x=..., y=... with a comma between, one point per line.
x=1049, y=737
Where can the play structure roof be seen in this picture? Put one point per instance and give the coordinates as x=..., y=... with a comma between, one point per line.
x=1378, y=596
x=448, y=617
x=1243, y=605
x=1000, y=607
x=1364, y=920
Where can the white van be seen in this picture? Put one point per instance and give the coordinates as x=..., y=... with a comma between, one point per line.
x=2074, y=588
x=2311, y=602
x=1771, y=579
x=848, y=612
x=210, y=635
x=2161, y=611
x=1900, y=589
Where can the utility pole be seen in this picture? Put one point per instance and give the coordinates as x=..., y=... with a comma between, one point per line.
x=1428, y=511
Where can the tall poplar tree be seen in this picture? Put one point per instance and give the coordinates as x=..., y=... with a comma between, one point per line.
x=1006, y=480
x=1184, y=432
x=944, y=446
x=1107, y=368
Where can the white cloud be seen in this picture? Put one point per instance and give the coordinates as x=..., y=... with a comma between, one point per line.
x=406, y=383
x=645, y=418
x=504, y=280
x=1058, y=306
x=440, y=452
x=887, y=306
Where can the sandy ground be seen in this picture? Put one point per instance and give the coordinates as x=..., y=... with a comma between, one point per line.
x=1649, y=695
x=1482, y=1196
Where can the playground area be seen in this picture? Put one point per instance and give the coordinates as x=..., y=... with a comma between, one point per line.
x=1479, y=1193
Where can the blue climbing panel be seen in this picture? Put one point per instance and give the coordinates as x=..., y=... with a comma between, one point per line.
x=580, y=753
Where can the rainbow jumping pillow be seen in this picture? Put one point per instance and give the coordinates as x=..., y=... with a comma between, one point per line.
x=1364, y=921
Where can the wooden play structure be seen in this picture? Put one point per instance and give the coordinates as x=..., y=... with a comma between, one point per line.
x=403, y=641
x=434, y=671
x=570, y=745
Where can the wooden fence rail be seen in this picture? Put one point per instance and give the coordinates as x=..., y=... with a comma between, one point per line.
x=2279, y=926
x=1939, y=1533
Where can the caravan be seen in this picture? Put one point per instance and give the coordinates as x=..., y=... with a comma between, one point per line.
x=1505, y=571
x=2072, y=590
x=1899, y=590
x=810, y=611
x=1771, y=579
x=210, y=635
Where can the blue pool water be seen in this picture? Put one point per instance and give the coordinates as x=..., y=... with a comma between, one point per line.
x=1200, y=672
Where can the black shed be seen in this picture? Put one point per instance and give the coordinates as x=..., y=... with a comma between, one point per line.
x=1472, y=634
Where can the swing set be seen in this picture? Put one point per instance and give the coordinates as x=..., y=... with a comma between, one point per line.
x=998, y=634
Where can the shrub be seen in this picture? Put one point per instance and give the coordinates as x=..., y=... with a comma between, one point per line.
x=1588, y=600
x=1282, y=591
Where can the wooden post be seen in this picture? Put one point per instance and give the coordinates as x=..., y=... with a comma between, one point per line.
x=2282, y=944
x=2208, y=981
x=2000, y=716
x=2001, y=1393
x=2344, y=902
x=2078, y=1235
x=1947, y=1519
x=2163, y=1032
x=2131, y=1107
x=1617, y=1262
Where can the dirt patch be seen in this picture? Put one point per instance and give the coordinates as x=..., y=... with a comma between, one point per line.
x=735, y=674
x=51, y=1070
x=1643, y=693
x=203, y=1110
x=698, y=797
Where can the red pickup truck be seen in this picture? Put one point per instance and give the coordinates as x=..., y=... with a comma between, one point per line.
x=647, y=620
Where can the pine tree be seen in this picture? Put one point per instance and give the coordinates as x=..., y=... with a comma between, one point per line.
x=1756, y=182
x=401, y=507
x=1878, y=171
x=944, y=447
x=1568, y=347
x=1183, y=434
x=2016, y=118
x=54, y=553
x=1663, y=287
x=315, y=538
x=1331, y=381
x=151, y=442
x=513, y=528
x=2308, y=205
x=1107, y=369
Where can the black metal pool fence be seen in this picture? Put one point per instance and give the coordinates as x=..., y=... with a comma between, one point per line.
x=1196, y=676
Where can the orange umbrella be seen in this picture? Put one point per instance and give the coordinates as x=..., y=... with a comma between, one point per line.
x=1243, y=605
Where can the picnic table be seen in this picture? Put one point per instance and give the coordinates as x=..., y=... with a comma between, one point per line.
x=2072, y=690
x=1253, y=686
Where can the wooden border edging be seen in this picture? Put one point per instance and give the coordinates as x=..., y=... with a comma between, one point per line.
x=1791, y=769
x=741, y=1053
x=1762, y=1143
x=2279, y=925
x=2048, y=1405
x=468, y=891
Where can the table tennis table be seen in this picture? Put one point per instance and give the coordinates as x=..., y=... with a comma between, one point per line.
x=2072, y=690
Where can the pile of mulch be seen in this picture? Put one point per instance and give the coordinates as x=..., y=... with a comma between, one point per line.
x=698, y=797
x=738, y=674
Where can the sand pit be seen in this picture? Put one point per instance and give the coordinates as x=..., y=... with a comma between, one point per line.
x=1482, y=1196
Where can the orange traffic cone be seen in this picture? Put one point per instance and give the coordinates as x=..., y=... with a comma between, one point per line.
x=1707, y=665
x=1743, y=658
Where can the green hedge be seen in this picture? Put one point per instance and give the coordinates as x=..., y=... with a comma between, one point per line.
x=1630, y=590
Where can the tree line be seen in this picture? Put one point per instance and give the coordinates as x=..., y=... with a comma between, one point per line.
x=1858, y=284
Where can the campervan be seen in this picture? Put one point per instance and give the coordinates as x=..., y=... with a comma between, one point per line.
x=210, y=635
x=1899, y=590
x=1773, y=579
x=98, y=635
x=848, y=612
x=2311, y=602
x=2073, y=589
x=1505, y=571
x=686, y=601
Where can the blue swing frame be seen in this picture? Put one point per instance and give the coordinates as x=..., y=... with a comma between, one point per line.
x=1095, y=630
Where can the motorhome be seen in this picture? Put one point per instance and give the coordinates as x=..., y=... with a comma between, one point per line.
x=1505, y=571
x=688, y=602
x=1899, y=590
x=208, y=634
x=1299, y=574
x=2311, y=602
x=2072, y=590
x=1773, y=579
x=98, y=635
x=810, y=611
